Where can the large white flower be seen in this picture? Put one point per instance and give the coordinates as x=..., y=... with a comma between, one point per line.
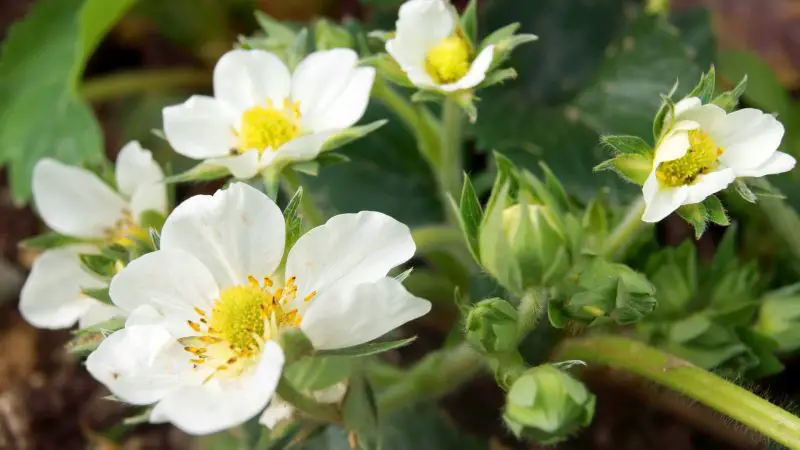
x=77, y=203
x=432, y=51
x=703, y=149
x=207, y=308
x=263, y=115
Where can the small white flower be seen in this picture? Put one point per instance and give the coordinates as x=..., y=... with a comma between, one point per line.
x=207, y=308
x=262, y=115
x=77, y=203
x=433, y=52
x=704, y=149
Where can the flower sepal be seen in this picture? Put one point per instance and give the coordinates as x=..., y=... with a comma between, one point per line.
x=491, y=326
x=546, y=405
x=505, y=40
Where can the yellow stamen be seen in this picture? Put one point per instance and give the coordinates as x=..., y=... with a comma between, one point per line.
x=268, y=127
x=701, y=158
x=449, y=60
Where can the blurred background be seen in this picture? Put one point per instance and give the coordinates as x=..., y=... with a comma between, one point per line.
x=598, y=67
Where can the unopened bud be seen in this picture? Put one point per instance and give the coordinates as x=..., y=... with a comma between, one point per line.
x=492, y=326
x=537, y=243
x=547, y=405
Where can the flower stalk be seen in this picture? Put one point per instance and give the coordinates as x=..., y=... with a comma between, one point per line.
x=451, y=158
x=323, y=412
x=625, y=231
x=691, y=381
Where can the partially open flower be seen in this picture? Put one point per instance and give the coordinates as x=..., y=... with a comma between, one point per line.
x=208, y=308
x=433, y=51
x=703, y=149
x=262, y=115
x=77, y=203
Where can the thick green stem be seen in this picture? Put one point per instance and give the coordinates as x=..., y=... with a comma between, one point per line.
x=530, y=309
x=452, y=167
x=121, y=84
x=433, y=377
x=290, y=182
x=321, y=411
x=625, y=231
x=692, y=381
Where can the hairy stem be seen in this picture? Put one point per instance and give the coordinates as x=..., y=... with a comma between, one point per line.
x=626, y=230
x=691, y=381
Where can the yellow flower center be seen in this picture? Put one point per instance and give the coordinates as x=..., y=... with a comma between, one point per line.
x=449, y=60
x=268, y=127
x=126, y=231
x=241, y=320
x=701, y=158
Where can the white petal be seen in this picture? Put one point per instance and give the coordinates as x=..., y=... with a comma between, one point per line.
x=421, y=25
x=709, y=184
x=237, y=232
x=140, y=364
x=349, y=249
x=278, y=410
x=51, y=296
x=749, y=138
x=476, y=74
x=687, y=104
x=170, y=280
x=304, y=148
x=221, y=404
x=332, y=394
x=673, y=146
x=242, y=166
x=140, y=177
x=246, y=78
x=359, y=314
x=661, y=201
x=319, y=81
x=74, y=201
x=779, y=162
x=349, y=106
x=99, y=312
x=145, y=315
x=711, y=119
x=200, y=127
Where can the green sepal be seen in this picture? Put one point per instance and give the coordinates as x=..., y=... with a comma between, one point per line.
x=716, y=212
x=695, y=215
x=705, y=88
x=423, y=96
x=315, y=373
x=48, y=241
x=730, y=99
x=626, y=144
x=499, y=76
x=744, y=191
x=469, y=22
x=665, y=110
x=294, y=224
x=99, y=294
x=351, y=134
x=631, y=167
x=201, y=172
x=389, y=69
x=367, y=349
x=100, y=265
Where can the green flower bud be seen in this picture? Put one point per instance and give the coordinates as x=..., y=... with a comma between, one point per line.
x=537, y=243
x=327, y=36
x=546, y=405
x=492, y=326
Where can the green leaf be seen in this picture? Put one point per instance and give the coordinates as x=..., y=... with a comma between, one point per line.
x=626, y=144
x=471, y=215
x=370, y=348
x=469, y=21
x=294, y=224
x=48, y=241
x=100, y=265
x=41, y=112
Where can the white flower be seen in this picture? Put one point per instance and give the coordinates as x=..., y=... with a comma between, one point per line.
x=703, y=149
x=261, y=115
x=207, y=308
x=432, y=51
x=77, y=203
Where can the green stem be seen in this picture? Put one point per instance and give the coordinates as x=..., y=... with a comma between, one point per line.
x=433, y=377
x=321, y=411
x=122, y=84
x=692, y=381
x=530, y=309
x=403, y=108
x=452, y=167
x=625, y=231
x=290, y=183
